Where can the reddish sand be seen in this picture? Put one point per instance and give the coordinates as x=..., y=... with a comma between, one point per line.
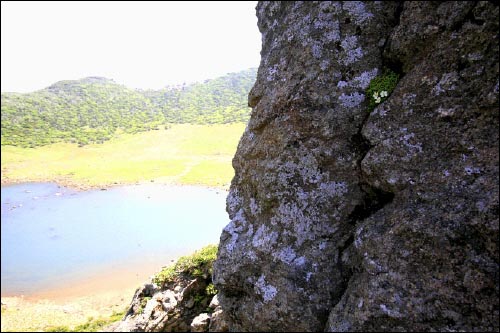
x=97, y=296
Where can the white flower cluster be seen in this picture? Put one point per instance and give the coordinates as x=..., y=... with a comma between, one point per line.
x=377, y=97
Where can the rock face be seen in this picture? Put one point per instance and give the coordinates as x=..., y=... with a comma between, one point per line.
x=350, y=219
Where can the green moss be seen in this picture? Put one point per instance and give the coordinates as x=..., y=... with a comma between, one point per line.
x=195, y=265
x=211, y=290
x=387, y=81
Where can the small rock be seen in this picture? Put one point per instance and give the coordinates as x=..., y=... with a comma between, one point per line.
x=200, y=323
x=214, y=303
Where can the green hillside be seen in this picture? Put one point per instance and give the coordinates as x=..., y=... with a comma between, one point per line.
x=94, y=109
x=185, y=154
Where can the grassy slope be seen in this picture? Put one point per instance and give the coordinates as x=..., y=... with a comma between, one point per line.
x=26, y=315
x=184, y=154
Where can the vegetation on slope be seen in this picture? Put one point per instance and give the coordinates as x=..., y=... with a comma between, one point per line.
x=92, y=324
x=198, y=264
x=94, y=109
x=185, y=154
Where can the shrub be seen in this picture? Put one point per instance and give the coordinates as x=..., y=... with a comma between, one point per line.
x=195, y=265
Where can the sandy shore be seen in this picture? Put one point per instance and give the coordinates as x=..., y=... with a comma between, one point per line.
x=22, y=314
x=71, y=305
x=79, y=186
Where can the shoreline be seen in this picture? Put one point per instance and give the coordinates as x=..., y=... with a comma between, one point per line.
x=99, y=295
x=125, y=276
x=79, y=187
x=20, y=314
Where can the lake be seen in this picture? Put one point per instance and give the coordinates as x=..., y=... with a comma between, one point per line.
x=53, y=236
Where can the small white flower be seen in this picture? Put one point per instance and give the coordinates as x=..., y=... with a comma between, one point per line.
x=377, y=100
x=375, y=95
x=383, y=94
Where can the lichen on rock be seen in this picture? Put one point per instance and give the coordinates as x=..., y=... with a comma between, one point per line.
x=346, y=217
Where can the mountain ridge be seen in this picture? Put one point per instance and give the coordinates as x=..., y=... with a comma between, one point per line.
x=93, y=109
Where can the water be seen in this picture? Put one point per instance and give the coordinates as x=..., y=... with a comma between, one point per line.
x=51, y=235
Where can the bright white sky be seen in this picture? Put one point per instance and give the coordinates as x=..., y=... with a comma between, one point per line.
x=140, y=44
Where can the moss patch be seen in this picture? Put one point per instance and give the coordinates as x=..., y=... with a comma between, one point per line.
x=386, y=82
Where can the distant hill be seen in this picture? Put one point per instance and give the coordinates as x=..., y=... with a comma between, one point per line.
x=92, y=109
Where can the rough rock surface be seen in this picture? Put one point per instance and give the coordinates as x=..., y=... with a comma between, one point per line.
x=344, y=219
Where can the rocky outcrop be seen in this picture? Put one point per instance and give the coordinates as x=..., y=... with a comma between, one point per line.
x=347, y=218
x=179, y=298
x=170, y=310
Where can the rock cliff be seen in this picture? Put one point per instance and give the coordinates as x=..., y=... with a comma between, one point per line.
x=348, y=217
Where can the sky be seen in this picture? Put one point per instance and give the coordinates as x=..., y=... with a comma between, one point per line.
x=141, y=44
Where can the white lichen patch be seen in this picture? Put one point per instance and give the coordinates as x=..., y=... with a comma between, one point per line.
x=306, y=169
x=264, y=238
x=389, y=312
x=286, y=255
x=476, y=56
x=360, y=303
x=351, y=100
x=267, y=291
x=306, y=223
x=334, y=34
x=251, y=255
x=446, y=83
x=351, y=51
x=272, y=72
x=249, y=232
x=233, y=200
x=342, y=84
x=324, y=64
x=380, y=110
x=357, y=11
x=254, y=208
x=317, y=50
x=235, y=227
x=372, y=266
x=410, y=142
x=358, y=240
x=470, y=170
x=445, y=112
x=333, y=189
x=409, y=99
x=361, y=81
x=300, y=261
